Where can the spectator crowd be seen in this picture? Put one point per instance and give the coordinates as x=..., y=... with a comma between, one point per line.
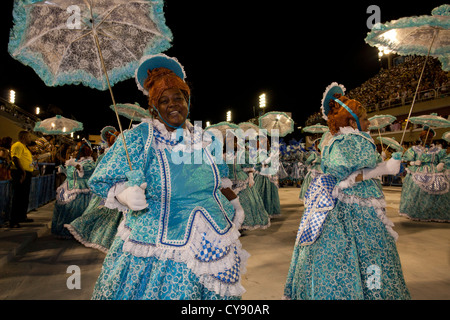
x=22, y=160
x=397, y=85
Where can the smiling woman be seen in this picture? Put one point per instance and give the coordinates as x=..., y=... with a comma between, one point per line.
x=179, y=238
x=173, y=109
x=169, y=97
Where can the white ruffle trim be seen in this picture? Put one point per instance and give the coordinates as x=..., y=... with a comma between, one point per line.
x=239, y=213
x=111, y=201
x=323, y=102
x=64, y=195
x=188, y=254
x=257, y=226
x=85, y=243
x=423, y=220
x=379, y=204
x=225, y=183
x=240, y=185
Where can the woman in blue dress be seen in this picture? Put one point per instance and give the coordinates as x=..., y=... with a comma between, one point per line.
x=73, y=196
x=241, y=174
x=97, y=226
x=345, y=246
x=425, y=190
x=179, y=238
x=266, y=183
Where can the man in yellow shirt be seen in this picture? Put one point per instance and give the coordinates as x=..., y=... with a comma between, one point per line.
x=21, y=173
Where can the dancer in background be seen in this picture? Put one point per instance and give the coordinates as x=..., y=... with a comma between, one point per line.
x=425, y=190
x=313, y=163
x=266, y=180
x=73, y=196
x=97, y=226
x=345, y=246
x=241, y=174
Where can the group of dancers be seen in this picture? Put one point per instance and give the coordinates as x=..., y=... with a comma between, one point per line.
x=171, y=230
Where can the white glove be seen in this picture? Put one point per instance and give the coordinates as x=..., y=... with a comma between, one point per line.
x=391, y=167
x=236, y=204
x=133, y=197
x=349, y=181
x=440, y=166
x=240, y=215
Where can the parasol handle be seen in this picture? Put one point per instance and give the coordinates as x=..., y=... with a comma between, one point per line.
x=426, y=137
x=112, y=97
x=418, y=84
x=131, y=120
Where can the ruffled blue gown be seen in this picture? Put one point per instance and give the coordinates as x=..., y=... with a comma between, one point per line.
x=256, y=216
x=345, y=246
x=185, y=244
x=425, y=190
x=97, y=226
x=266, y=184
x=72, y=197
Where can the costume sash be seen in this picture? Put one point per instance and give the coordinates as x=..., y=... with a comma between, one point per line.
x=318, y=202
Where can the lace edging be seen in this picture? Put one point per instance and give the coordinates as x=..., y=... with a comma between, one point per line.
x=189, y=253
x=258, y=226
x=80, y=239
x=379, y=204
x=423, y=220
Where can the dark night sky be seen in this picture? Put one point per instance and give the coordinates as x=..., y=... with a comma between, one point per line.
x=232, y=51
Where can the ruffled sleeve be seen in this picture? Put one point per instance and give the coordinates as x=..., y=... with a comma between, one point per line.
x=409, y=155
x=87, y=169
x=114, y=165
x=347, y=154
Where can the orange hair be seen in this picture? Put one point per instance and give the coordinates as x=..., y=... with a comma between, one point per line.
x=112, y=137
x=160, y=80
x=338, y=117
x=84, y=150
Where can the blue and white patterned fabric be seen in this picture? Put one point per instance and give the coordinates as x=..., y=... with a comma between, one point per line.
x=188, y=220
x=351, y=234
x=318, y=202
x=73, y=196
x=210, y=252
x=231, y=275
x=256, y=216
x=426, y=190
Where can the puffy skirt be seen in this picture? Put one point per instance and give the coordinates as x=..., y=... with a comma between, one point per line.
x=269, y=194
x=354, y=257
x=418, y=204
x=127, y=277
x=98, y=225
x=256, y=216
x=65, y=213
